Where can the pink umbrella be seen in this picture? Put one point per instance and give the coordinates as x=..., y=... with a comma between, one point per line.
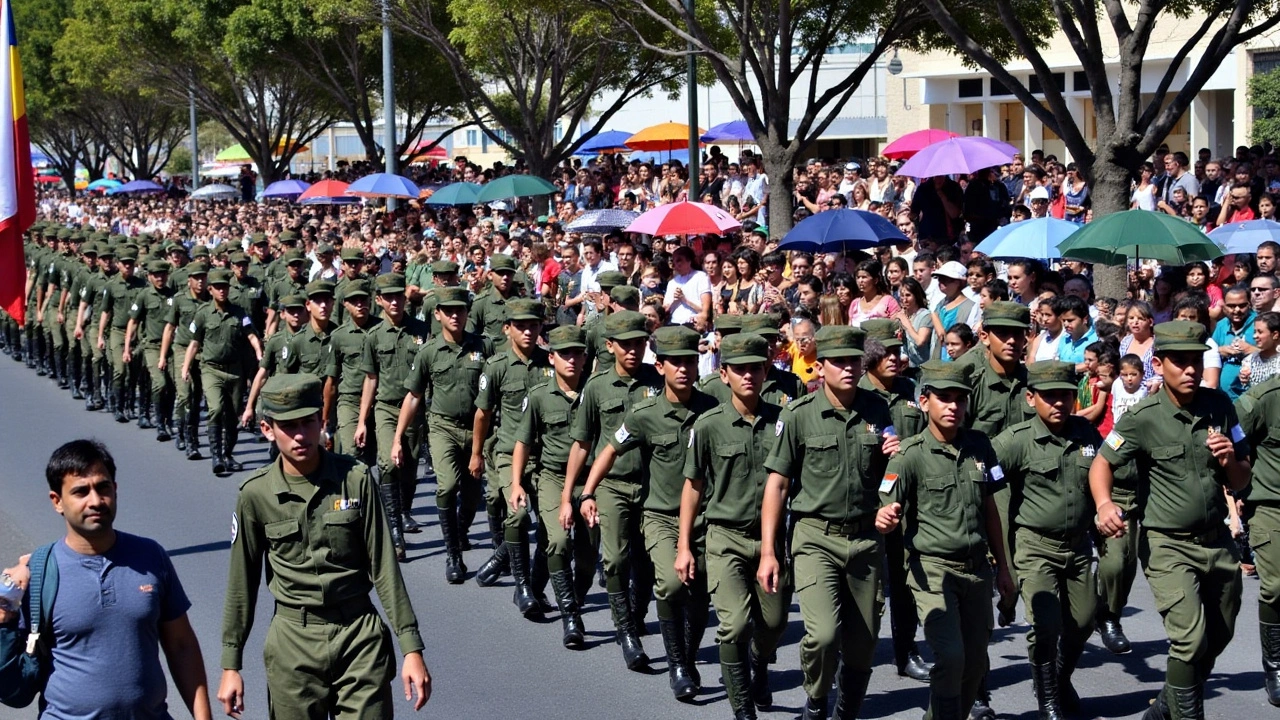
x=684, y=218
x=911, y=143
x=956, y=156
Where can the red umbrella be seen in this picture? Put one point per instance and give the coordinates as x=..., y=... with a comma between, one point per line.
x=911, y=143
x=333, y=189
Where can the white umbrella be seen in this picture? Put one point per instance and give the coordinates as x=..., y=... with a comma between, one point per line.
x=215, y=191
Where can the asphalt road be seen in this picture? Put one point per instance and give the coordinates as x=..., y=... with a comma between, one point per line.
x=485, y=660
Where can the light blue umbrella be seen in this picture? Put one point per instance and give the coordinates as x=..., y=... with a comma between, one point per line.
x=1030, y=239
x=285, y=189
x=1245, y=237
x=384, y=185
x=136, y=186
x=607, y=141
x=104, y=184
x=459, y=193
x=215, y=191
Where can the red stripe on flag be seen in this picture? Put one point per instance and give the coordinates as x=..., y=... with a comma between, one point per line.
x=13, y=271
x=26, y=180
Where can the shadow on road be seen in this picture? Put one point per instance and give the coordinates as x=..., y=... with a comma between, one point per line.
x=202, y=548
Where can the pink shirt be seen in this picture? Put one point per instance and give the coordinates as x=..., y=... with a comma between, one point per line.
x=886, y=307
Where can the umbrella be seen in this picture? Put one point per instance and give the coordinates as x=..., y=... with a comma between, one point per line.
x=511, y=186
x=384, y=185
x=48, y=179
x=1131, y=234
x=137, y=186
x=237, y=153
x=459, y=193
x=38, y=157
x=841, y=231
x=285, y=189
x=599, y=222
x=1036, y=239
x=664, y=137
x=684, y=218
x=734, y=130
x=1245, y=237
x=215, y=191
x=959, y=155
x=609, y=141
x=911, y=143
x=327, y=192
x=422, y=153
x=104, y=184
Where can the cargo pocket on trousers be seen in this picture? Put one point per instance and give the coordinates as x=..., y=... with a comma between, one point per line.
x=1166, y=601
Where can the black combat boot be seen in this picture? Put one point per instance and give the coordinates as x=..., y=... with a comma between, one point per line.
x=145, y=410
x=632, y=651
x=1271, y=661
x=981, y=709
x=816, y=709
x=734, y=676
x=1044, y=679
x=232, y=430
x=851, y=690
x=180, y=439
x=73, y=369
x=215, y=449
x=696, y=614
x=408, y=488
x=761, y=693
x=1190, y=702
x=120, y=415
x=523, y=595
x=1113, y=637
x=193, y=437
x=455, y=572
x=391, y=506
x=1068, y=655
x=673, y=640
x=499, y=563
x=907, y=657
x=1159, y=709
x=570, y=617
x=60, y=368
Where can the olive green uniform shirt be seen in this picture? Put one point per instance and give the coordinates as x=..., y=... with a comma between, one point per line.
x=996, y=402
x=389, y=352
x=223, y=336
x=450, y=375
x=833, y=457
x=780, y=387
x=325, y=542
x=180, y=314
x=544, y=427
x=665, y=430
x=488, y=313
x=150, y=310
x=943, y=489
x=504, y=385
x=247, y=293
x=727, y=454
x=602, y=407
x=1259, y=411
x=1183, y=480
x=346, y=353
x=283, y=288
x=117, y=298
x=908, y=418
x=1048, y=474
x=306, y=351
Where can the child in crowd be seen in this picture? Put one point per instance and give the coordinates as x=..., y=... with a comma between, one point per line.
x=959, y=340
x=1128, y=389
x=1264, y=364
x=1093, y=399
x=1107, y=372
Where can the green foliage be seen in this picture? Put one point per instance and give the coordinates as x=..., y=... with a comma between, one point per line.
x=1264, y=96
x=179, y=161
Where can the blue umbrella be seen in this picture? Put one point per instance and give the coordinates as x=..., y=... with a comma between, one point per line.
x=735, y=130
x=841, y=231
x=384, y=185
x=104, y=184
x=459, y=193
x=607, y=141
x=1245, y=237
x=1032, y=239
x=136, y=186
x=598, y=222
x=285, y=189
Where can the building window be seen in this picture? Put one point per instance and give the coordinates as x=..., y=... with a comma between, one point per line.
x=1059, y=81
x=1264, y=62
x=473, y=138
x=1079, y=81
x=998, y=89
x=969, y=88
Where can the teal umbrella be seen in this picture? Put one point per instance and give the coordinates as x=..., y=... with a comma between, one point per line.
x=459, y=193
x=515, y=186
x=1133, y=234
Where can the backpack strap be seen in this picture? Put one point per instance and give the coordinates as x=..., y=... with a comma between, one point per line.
x=41, y=591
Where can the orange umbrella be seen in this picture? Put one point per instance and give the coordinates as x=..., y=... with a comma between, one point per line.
x=664, y=137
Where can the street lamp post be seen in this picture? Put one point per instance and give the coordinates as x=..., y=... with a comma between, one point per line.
x=691, y=88
x=388, y=97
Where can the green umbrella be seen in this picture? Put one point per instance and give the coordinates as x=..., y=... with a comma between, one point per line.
x=1119, y=237
x=515, y=186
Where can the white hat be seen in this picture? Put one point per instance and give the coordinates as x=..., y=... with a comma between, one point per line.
x=498, y=205
x=1038, y=192
x=852, y=166
x=952, y=270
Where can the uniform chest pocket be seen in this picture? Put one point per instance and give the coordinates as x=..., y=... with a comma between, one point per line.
x=733, y=457
x=285, y=540
x=513, y=394
x=555, y=419
x=1168, y=452
x=612, y=407
x=666, y=447
x=1046, y=468
x=344, y=531
x=822, y=454
x=868, y=453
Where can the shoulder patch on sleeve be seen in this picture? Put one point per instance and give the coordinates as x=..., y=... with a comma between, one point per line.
x=623, y=434
x=1114, y=441
x=777, y=429
x=484, y=382
x=192, y=326
x=1237, y=433
x=524, y=405
x=888, y=481
x=246, y=321
x=997, y=473
x=235, y=527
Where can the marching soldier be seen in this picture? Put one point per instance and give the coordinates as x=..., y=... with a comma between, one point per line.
x=488, y=312
x=173, y=350
x=117, y=297
x=147, y=319
x=343, y=379
x=1259, y=410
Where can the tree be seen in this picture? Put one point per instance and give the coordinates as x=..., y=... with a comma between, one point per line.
x=1264, y=95
x=530, y=71
x=1129, y=128
x=136, y=127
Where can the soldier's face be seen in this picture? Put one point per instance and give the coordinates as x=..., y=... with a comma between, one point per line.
x=297, y=440
x=220, y=292
x=841, y=374
x=320, y=307
x=295, y=317
x=1182, y=371
x=158, y=280
x=87, y=502
x=502, y=280
x=126, y=268
x=1053, y=406
x=744, y=379
x=197, y=284
x=357, y=307
x=524, y=333
x=945, y=408
x=627, y=353
x=1005, y=343
x=452, y=318
x=679, y=372
x=392, y=304
x=568, y=364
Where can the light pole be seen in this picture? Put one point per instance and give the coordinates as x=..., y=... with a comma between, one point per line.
x=195, y=142
x=691, y=90
x=388, y=98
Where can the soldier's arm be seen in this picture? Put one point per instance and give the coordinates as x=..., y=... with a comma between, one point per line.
x=1233, y=456
x=486, y=400
x=129, y=331
x=166, y=341
x=384, y=572
x=781, y=466
x=690, y=502
x=248, y=547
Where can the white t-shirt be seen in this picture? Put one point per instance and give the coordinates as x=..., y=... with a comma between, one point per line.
x=1048, y=347
x=695, y=284
x=1121, y=400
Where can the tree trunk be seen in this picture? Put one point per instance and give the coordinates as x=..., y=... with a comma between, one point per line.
x=778, y=165
x=1112, y=184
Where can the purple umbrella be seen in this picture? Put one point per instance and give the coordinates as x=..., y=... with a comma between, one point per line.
x=285, y=189
x=956, y=156
x=734, y=130
x=137, y=186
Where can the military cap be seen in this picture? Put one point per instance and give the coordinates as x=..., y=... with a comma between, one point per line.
x=319, y=287
x=937, y=375
x=389, y=284
x=287, y=236
x=76, y=236
x=226, y=248
x=220, y=276
x=51, y=232
x=762, y=324
x=237, y=258
x=292, y=397
x=1051, y=375
x=198, y=267
x=323, y=248
x=352, y=254
x=626, y=296
x=566, y=337
x=106, y=251
x=741, y=348
x=524, y=309
x=625, y=325
x=675, y=341
x=359, y=289
x=610, y=279
x=293, y=300
x=127, y=253
x=444, y=267
x=452, y=297
x=502, y=263
x=177, y=248
x=886, y=332
x=1180, y=335
x=1004, y=313
x=258, y=239
x=729, y=324
x=89, y=248
x=63, y=234
x=200, y=251
x=839, y=341
x=294, y=255
x=156, y=267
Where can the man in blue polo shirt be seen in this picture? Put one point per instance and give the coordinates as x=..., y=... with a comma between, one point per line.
x=1234, y=336
x=1078, y=332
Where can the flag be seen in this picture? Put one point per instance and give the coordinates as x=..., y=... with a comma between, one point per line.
x=17, y=184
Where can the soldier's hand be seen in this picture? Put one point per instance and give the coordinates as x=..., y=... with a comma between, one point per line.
x=519, y=498
x=1004, y=583
x=246, y=420
x=186, y=375
x=39, y=316
x=102, y=344
x=566, y=515
x=1110, y=520
x=476, y=466
x=162, y=363
x=62, y=317
x=1222, y=448
x=888, y=517
x=231, y=693
x=587, y=508
x=127, y=356
x=686, y=566
x=358, y=438
x=79, y=333
x=397, y=452
x=767, y=573
x=417, y=680
x=890, y=444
